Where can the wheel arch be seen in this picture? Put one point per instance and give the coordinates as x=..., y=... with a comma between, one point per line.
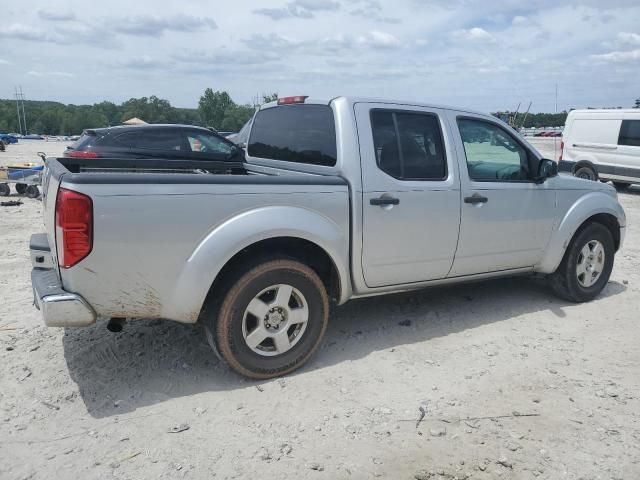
x=262, y=233
x=594, y=207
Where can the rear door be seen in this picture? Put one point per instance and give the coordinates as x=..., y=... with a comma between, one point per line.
x=411, y=194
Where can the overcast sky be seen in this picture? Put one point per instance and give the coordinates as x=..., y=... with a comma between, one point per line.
x=481, y=54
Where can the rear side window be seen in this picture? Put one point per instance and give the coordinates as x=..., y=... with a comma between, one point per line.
x=295, y=133
x=85, y=140
x=630, y=133
x=161, y=139
x=408, y=146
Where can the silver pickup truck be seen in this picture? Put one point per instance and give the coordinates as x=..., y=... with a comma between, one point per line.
x=334, y=199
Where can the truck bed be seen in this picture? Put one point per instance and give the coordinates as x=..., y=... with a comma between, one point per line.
x=162, y=228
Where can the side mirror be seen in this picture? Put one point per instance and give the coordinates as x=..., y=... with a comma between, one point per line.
x=546, y=169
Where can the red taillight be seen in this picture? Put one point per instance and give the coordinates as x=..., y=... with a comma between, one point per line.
x=290, y=100
x=561, y=149
x=80, y=154
x=74, y=227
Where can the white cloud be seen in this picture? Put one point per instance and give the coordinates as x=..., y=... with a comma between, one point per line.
x=625, y=38
x=5, y=62
x=154, y=26
x=378, y=39
x=37, y=73
x=618, y=56
x=57, y=15
x=519, y=20
x=475, y=34
x=298, y=9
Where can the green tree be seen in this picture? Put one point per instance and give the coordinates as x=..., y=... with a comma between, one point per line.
x=637, y=105
x=213, y=107
x=236, y=117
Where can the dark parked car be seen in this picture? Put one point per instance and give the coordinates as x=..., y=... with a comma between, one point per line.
x=184, y=142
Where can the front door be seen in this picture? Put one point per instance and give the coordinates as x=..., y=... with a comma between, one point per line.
x=411, y=194
x=506, y=217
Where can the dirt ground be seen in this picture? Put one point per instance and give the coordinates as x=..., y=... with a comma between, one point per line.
x=513, y=384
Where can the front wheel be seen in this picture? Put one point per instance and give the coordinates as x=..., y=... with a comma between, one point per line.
x=586, y=266
x=272, y=319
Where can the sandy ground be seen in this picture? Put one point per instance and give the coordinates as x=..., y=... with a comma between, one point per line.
x=515, y=383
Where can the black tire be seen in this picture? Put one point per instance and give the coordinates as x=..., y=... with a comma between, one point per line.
x=564, y=280
x=621, y=185
x=5, y=191
x=586, y=172
x=21, y=188
x=226, y=328
x=32, y=191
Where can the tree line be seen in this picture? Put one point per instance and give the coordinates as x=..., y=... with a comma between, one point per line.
x=215, y=109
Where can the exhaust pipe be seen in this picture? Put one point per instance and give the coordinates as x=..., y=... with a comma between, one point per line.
x=116, y=324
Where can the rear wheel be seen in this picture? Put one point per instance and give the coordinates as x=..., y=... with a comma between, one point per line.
x=5, y=191
x=586, y=266
x=271, y=320
x=21, y=188
x=586, y=172
x=32, y=191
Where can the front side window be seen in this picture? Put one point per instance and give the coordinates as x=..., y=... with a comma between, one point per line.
x=408, y=146
x=204, y=143
x=492, y=154
x=295, y=133
x=630, y=133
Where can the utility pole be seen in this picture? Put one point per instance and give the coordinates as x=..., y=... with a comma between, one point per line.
x=24, y=116
x=18, y=108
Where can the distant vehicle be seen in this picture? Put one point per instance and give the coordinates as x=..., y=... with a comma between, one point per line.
x=337, y=199
x=539, y=134
x=8, y=138
x=33, y=136
x=556, y=134
x=602, y=145
x=185, y=142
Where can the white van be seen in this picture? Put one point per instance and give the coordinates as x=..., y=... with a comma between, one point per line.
x=602, y=145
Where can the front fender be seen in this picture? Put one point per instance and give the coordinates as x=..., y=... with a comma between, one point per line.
x=581, y=210
x=243, y=230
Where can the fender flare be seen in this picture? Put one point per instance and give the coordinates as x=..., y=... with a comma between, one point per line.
x=587, y=206
x=239, y=232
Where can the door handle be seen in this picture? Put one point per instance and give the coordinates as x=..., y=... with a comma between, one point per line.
x=382, y=201
x=476, y=198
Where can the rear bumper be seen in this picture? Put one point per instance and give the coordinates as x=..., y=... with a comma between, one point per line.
x=59, y=308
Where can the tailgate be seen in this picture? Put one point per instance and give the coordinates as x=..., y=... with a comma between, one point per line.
x=51, y=179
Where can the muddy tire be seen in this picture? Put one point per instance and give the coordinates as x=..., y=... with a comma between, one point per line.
x=271, y=320
x=21, y=188
x=5, y=190
x=586, y=266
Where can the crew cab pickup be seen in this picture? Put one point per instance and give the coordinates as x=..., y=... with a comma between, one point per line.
x=335, y=199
